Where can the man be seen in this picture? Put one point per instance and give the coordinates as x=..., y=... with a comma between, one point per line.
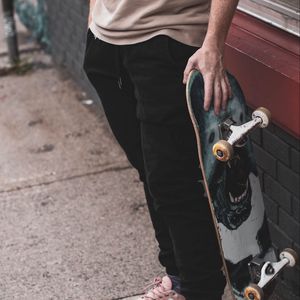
x=138, y=57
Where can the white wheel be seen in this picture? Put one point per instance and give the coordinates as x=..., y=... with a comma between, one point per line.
x=264, y=114
x=291, y=255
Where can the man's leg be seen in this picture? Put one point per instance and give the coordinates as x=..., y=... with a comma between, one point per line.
x=104, y=71
x=171, y=163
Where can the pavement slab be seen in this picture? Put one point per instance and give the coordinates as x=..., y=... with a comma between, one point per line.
x=84, y=238
x=47, y=134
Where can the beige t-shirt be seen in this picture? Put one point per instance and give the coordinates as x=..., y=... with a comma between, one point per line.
x=124, y=22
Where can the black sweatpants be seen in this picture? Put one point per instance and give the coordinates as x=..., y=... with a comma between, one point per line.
x=143, y=96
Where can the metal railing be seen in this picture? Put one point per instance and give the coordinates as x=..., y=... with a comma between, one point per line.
x=10, y=31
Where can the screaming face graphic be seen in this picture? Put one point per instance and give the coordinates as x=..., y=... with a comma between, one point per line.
x=229, y=183
x=231, y=190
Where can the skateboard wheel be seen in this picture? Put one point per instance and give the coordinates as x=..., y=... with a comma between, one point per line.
x=222, y=150
x=254, y=292
x=264, y=114
x=291, y=255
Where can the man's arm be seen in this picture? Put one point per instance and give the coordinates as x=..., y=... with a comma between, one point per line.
x=209, y=58
x=92, y=4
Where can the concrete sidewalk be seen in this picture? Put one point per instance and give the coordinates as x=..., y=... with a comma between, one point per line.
x=73, y=219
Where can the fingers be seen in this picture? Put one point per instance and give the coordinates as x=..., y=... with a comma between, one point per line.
x=226, y=90
x=208, y=90
x=215, y=88
x=218, y=89
x=217, y=97
x=222, y=92
x=225, y=93
x=229, y=86
x=216, y=83
x=189, y=67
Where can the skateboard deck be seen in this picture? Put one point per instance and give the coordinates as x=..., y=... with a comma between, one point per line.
x=233, y=189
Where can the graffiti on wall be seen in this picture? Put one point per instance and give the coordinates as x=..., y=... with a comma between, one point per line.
x=32, y=14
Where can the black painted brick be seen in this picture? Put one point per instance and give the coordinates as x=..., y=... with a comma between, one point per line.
x=271, y=209
x=289, y=179
x=85, y=10
x=296, y=208
x=261, y=177
x=296, y=247
x=279, y=238
x=284, y=292
x=276, y=147
x=292, y=276
x=68, y=37
x=77, y=8
x=256, y=136
x=278, y=193
x=290, y=226
x=295, y=160
x=265, y=160
x=286, y=137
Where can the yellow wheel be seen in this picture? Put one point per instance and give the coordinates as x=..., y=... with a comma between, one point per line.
x=291, y=255
x=264, y=114
x=222, y=150
x=253, y=292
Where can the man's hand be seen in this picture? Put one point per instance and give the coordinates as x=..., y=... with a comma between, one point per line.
x=209, y=58
x=209, y=61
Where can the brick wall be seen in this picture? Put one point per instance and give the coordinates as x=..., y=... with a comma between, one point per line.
x=277, y=155
x=277, y=152
x=67, y=26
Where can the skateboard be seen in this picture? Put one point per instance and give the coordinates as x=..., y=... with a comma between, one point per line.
x=232, y=187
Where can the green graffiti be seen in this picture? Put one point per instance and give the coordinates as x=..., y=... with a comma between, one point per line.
x=33, y=16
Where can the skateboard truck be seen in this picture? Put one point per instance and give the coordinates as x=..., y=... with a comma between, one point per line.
x=236, y=135
x=263, y=273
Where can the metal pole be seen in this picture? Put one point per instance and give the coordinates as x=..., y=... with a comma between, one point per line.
x=10, y=30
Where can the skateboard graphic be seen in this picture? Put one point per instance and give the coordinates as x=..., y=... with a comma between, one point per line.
x=231, y=183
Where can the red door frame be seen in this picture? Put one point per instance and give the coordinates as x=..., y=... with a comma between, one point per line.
x=265, y=61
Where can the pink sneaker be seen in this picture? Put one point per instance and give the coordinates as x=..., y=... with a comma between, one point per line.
x=161, y=289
